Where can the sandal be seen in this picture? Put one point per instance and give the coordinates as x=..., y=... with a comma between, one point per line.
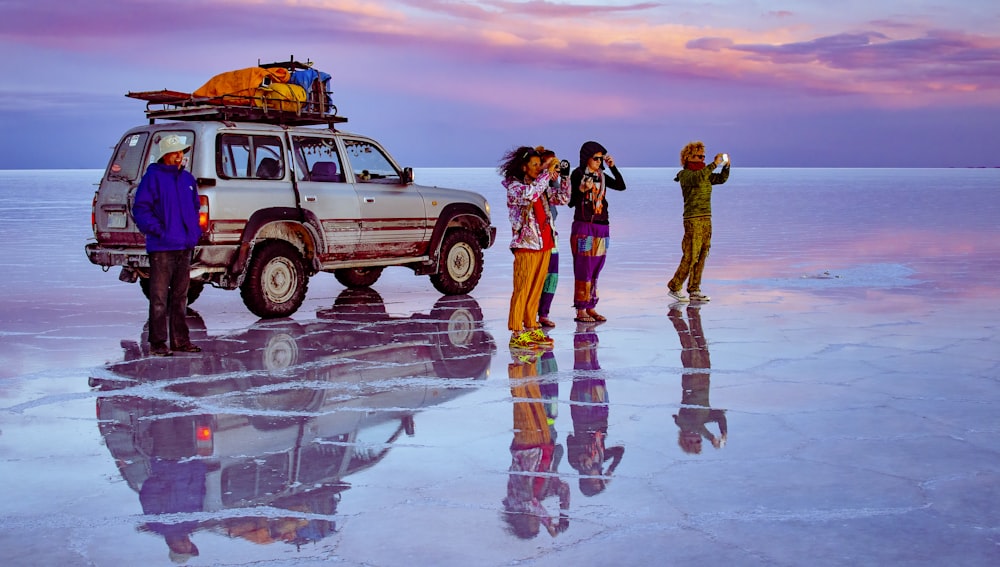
x=596, y=316
x=546, y=322
x=585, y=319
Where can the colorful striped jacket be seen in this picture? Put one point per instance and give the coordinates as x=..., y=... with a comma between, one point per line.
x=520, y=195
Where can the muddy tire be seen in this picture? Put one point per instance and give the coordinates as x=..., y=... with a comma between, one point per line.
x=358, y=278
x=194, y=289
x=461, y=263
x=276, y=281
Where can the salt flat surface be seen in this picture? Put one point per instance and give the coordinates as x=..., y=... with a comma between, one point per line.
x=850, y=347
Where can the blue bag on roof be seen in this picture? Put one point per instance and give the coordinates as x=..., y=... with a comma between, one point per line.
x=317, y=86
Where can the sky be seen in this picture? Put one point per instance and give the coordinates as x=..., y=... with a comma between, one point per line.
x=447, y=83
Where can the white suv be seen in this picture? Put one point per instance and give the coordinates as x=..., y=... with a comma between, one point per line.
x=285, y=195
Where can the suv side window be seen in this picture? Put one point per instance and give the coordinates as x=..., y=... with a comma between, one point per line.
x=244, y=156
x=369, y=163
x=128, y=157
x=317, y=159
x=186, y=136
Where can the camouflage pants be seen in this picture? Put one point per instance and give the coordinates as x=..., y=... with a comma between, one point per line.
x=694, y=251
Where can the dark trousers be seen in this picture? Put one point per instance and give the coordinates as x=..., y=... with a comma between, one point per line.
x=169, y=276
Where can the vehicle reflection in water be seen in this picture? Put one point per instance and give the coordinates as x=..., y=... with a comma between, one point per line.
x=254, y=436
x=535, y=455
x=695, y=413
x=589, y=409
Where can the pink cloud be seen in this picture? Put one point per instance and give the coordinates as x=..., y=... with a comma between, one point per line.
x=635, y=66
x=624, y=40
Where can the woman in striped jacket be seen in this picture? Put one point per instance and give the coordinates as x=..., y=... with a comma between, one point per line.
x=529, y=199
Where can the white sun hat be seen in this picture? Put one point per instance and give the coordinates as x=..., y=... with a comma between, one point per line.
x=171, y=144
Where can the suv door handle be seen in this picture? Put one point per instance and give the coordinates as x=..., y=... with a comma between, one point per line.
x=369, y=200
x=310, y=198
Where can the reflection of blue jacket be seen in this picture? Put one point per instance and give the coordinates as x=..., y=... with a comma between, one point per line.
x=166, y=208
x=173, y=487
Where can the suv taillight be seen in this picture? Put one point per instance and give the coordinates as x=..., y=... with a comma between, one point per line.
x=93, y=215
x=204, y=440
x=203, y=213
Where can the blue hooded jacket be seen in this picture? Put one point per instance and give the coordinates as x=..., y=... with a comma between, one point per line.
x=166, y=208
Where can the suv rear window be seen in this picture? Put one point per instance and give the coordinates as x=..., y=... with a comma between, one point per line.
x=128, y=157
x=244, y=156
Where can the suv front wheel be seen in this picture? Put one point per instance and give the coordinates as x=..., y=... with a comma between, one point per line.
x=276, y=281
x=461, y=263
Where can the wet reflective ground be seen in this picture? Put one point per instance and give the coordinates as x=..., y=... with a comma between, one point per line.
x=834, y=404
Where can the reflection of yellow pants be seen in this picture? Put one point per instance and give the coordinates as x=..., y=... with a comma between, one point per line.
x=531, y=427
x=694, y=251
x=530, y=270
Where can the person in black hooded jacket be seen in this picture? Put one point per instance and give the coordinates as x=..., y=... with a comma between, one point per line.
x=590, y=232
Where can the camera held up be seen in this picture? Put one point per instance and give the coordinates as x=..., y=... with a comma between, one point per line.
x=564, y=168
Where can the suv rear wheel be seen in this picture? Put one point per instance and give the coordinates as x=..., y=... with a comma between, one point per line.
x=275, y=283
x=355, y=278
x=461, y=263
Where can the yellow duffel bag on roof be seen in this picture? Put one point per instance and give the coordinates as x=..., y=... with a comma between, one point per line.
x=280, y=96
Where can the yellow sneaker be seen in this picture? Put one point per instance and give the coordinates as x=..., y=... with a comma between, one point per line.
x=521, y=340
x=539, y=338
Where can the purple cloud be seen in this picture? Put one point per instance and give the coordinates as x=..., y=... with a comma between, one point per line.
x=710, y=43
x=452, y=66
x=543, y=8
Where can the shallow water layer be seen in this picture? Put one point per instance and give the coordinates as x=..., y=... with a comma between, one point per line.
x=833, y=404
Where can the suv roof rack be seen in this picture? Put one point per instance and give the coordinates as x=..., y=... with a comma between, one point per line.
x=174, y=105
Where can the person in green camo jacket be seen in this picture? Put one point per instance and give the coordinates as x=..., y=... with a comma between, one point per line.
x=696, y=180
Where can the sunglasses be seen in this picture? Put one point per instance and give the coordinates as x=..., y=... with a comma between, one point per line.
x=702, y=156
x=597, y=158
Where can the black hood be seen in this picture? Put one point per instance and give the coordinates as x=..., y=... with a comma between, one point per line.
x=588, y=149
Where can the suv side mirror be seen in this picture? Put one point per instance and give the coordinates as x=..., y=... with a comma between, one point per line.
x=407, y=175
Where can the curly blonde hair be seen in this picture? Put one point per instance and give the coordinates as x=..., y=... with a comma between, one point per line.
x=696, y=148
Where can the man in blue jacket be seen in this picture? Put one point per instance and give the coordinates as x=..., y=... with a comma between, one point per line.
x=166, y=211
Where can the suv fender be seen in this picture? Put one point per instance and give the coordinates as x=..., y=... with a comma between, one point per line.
x=459, y=215
x=298, y=228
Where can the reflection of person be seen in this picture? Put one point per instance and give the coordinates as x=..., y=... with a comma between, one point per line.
x=166, y=211
x=526, y=179
x=589, y=409
x=172, y=487
x=590, y=233
x=696, y=180
x=695, y=412
x=534, y=457
x=550, y=394
x=552, y=276
x=176, y=482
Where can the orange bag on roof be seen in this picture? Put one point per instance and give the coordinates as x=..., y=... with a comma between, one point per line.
x=242, y=82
